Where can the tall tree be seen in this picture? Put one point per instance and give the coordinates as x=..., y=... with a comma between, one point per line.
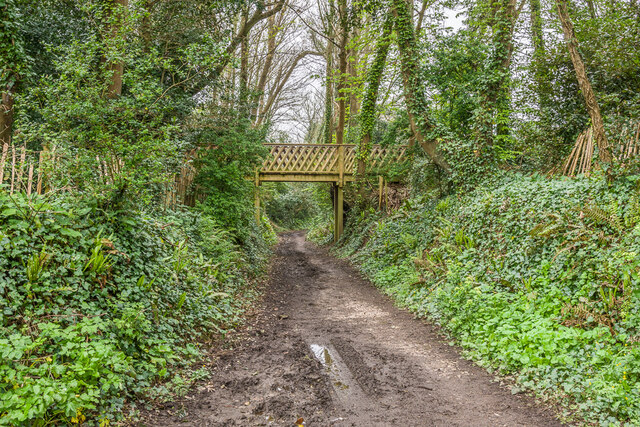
x=12, y=61
x=342, y=69
x=501, y=20
x=368, y=113
x=541, y=79
x=258, y=15
x=329, y=53
x=244, y=61
x=414, y=91
x=591, y=102
x=117, y=10
x=272, y=32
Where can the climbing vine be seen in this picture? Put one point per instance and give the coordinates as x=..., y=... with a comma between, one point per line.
x=374, y=75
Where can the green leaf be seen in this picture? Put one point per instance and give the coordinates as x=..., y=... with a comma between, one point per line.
x=9, y=212
x=70, y=233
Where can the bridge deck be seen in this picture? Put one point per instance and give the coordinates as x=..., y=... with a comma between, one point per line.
x=322, y=162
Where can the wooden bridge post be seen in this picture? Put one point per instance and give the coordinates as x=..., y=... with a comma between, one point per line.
x=334, y=194
x=339, y=197
x=339, y=212
x=256, y=195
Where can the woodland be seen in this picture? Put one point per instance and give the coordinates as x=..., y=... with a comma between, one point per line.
x=131, y=130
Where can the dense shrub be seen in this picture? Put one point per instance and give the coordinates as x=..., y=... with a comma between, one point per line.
x=297, y=205
x=535, y=277
x=97, y=307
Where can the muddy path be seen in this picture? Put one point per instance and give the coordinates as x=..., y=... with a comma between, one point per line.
x=328, y=348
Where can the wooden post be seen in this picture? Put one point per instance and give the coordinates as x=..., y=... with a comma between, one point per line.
x=257, y=204
x=380, y=190
x=334, y=192
x=339, y=212
x=256, y=194
x=5, y=150
x=40, y=172
x=341, y=165
x=30, y=180
x=13, y=168
x=23, y=156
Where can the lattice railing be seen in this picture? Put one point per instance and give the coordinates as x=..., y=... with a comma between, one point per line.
x=325, y=158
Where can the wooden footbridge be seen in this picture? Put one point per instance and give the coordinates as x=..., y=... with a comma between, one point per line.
x=322, y=163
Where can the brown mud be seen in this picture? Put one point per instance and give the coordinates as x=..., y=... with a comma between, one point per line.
x=328, y=349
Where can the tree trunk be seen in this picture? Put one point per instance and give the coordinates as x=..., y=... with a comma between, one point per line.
x=117, y=12
x=353, y=56
x=145, y=26
x=268, y=62
x=256, y=17
x=414, y=92
x=279, y=85
x=496, y=97
x=593, y=108
x=244, y=64
x=328, y=95
x=6, y=117
x=541, y=80
x=592, y=9
x=368, y=115
x=423, y=10
x=342, y=70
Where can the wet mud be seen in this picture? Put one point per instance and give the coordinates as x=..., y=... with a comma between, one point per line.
x=327, y=349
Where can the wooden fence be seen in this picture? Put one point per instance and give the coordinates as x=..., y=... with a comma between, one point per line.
x=30, y=172
x=20, y=169
x=580, y=161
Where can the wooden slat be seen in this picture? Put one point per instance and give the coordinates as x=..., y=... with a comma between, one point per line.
x=23, y=156
x=30, y=179
x=13, y=168
x=40, y=172
x=3, y=160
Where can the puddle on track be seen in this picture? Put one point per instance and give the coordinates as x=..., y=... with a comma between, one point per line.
x=341, y=378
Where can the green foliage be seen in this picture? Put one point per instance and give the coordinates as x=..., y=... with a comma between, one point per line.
x=534, y=277
x=87, y=322
x=233, y=150
x=297, y=205
x=13, y=57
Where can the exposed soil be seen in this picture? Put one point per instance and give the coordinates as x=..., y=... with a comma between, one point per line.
x=329, y=349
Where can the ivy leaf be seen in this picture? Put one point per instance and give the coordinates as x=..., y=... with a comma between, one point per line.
x=70, y=233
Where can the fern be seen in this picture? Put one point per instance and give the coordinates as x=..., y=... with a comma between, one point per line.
x=596, y=214
x=615, y=219
x=632, y=214
x=549, y=228
x=609, y=216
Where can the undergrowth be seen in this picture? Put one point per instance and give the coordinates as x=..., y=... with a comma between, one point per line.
x=100, y=309
x=536, y=278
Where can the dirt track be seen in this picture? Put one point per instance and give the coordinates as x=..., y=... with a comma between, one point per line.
x=328, y=348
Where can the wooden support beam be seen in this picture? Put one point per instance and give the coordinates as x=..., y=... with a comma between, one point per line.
x=302, y=177
x=339, y=219
x=334, y=194
x=256, y=195
x=257, y=205
x=380, y=190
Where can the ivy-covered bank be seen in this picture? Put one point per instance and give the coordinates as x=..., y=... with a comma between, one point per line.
x=534, y=277
x=102, y=309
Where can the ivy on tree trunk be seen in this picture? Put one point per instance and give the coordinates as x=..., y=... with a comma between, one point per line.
x=414, y=91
